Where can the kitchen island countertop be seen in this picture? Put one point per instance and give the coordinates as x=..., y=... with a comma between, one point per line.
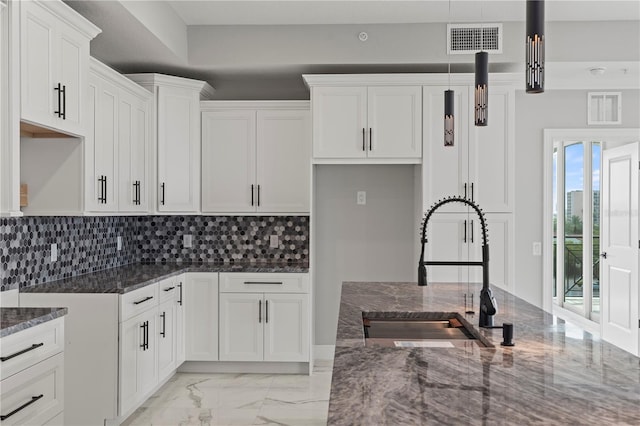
x=555, y=374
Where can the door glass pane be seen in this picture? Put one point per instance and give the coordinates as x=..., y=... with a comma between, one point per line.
x=573, y=196
x=595, y=206
x=554, y=179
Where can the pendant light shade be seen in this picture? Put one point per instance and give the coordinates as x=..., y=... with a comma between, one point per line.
x=481, y=91
x=448, y=118
x=535, y=46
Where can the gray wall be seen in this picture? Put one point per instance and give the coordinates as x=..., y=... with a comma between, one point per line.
x=374, y=242
x=555, y=109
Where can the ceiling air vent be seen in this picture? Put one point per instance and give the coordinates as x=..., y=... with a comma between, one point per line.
x=470, y=38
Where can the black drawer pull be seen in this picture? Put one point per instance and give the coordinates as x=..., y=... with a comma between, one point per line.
x=22, y=407
x=30, y=348
x=169, y=288
x=143, y=300
x=264, y=282
x=180, y=300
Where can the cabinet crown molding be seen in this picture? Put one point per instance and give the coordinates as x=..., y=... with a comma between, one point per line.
x=70, y=17
x=150, y=80
x=108, y=73
x=403, y=79
x=251, y=105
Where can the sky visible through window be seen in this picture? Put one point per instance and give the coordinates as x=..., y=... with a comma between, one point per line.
x=574, y=160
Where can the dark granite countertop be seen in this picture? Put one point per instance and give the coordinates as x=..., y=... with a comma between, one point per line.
x=132, y=277
x=555, y=374
x=13, y=320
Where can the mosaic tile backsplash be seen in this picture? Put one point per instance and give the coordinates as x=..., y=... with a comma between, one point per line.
x=89, y=244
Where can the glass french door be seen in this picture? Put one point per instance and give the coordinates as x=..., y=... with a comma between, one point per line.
x=576, y=227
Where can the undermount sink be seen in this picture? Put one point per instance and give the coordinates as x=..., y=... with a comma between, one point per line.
x=420, y=329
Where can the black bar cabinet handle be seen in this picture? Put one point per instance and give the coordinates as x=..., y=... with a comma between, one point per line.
x=258, y=195
x=465, y=190
x=364, y=147
x=106, y=190
x=251, y=194
x=472, y=231
x=259, y=311
x=162, y=201
x=163, y=333
x=465, y=232
x=64, y=102
x=143, y=327
x=58, y=89
x=13, y=355
x=169, y=288
x=266, y=311
x=472, y=191
x=143, y=300
x=20, y=408
x=180, y=300
x=264, y=282
x=370, y=137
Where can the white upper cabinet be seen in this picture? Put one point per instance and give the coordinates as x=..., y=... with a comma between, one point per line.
x=177, y=132
x=255, y=157
x=480, y=164
x=376, y=122
x=54, y=44
x=117, y=143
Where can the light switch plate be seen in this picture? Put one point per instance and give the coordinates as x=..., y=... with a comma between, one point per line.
x=187, y=240
x=361, y=198
x=273, y=241
x=537, y=248
x=54, y=252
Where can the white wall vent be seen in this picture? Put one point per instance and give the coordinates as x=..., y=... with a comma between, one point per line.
x=470, y=38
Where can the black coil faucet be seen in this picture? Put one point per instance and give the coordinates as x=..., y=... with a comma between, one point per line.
x=488, y=306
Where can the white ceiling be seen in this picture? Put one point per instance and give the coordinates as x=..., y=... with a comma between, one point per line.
x=297, y=12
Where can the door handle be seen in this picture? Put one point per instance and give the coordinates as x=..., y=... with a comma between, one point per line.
x=162, y=201
x=258, y=195
x=472, y=193
x=603, y=255
x=465, y=190
x=464, y=240
x=163, y=333
x=370, y=137
x=259, y=311
x=64, y=102
x=252, y=192
x=364, y=147
x=266, y=311
x=58, y=89
x=472, y=231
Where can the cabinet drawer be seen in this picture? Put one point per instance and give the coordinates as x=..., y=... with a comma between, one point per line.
x=168, y=289
x=138, y=301
x=36, y=393
x=263, y=283
x=25, y=348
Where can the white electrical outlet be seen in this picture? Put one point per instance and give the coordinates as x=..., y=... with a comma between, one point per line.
x=537, y=248
x=54, y=252
x=361, y=198
x=187, y=240
x=273, y=241
x=119, y=242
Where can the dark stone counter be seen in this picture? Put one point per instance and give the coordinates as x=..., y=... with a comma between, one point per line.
x=131, y=277
x=555, y=374
x=13, y=320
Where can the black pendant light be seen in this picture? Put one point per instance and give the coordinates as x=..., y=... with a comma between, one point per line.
x=482, y=88
x=448, y=105
x=535, y=46
x=448, y=118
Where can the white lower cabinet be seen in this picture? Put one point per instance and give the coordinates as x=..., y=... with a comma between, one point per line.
x=264, y=317
x=32, y=386
x=166, y=335
x=201, y=316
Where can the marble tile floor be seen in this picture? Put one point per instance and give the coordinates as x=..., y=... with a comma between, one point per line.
x=239, y=399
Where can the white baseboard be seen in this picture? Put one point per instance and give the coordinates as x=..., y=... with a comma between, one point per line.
x=571, y=317
x=323, y=352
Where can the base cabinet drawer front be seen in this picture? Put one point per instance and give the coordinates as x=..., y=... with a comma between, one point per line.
x=25, y=348
x=286, y=327
x=138, y=301
x=35, y=395
x=264, y=283
x=168, y=289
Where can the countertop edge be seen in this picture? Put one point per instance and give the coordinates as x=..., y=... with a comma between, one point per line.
x=32, y=322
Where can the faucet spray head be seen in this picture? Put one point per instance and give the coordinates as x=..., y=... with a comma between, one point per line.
x=422, y=275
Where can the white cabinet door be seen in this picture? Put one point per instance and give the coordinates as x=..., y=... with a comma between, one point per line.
x=166, y=335
x=138, y=367
x=448, y=238
x=491, y=154
x=283, y=161
x=500, y=249
x=241, y=327
x=395, y=122
x=201, y=323
x=37, y=45
x=178, y=150
x=73, y=63
x=445, y=171
x=133, y=137
x=105, y=140
x=181, y=354
x=229, y=161
x=339, y=122
x=286, y=327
